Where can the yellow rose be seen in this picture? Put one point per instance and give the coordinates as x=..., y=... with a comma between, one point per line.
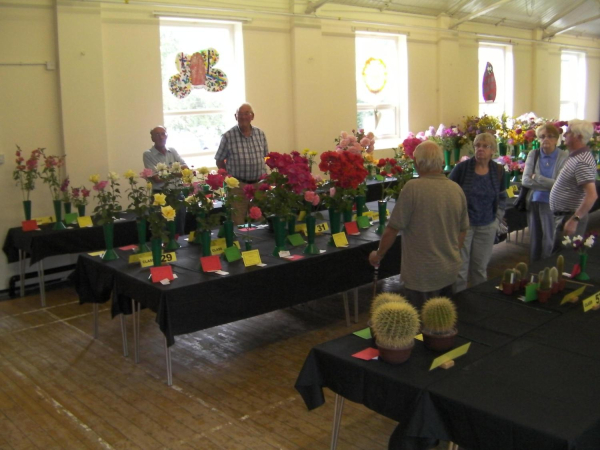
x=149, y=186
x=369, y=158
x=190, y=200
x=159, y=199
x=203, y=170
x=129, y=174
x=114, y=176
x=95, y=178
x=168, y=213
x=232, y=182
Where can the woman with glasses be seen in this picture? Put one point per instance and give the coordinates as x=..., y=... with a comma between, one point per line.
x=541, y=170
x=482, y=181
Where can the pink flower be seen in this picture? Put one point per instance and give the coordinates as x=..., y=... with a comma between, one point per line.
x=85, y=192
x=309, y=196
x=146, y=173
x=264, y=187
x=215, y=181
x=249, y=191
x=100, y=185
x=255, y=213
x=331, y=192
x=316, y=200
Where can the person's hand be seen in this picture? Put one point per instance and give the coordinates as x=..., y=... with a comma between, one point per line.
x=374, y=259
x=570, y=227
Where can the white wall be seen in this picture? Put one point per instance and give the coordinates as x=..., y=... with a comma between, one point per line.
x=105, y=96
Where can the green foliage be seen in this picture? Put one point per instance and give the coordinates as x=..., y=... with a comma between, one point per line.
x=395, y=324
x=439, y=315
x=560, y=265
x=385, y=297
x=545, y=280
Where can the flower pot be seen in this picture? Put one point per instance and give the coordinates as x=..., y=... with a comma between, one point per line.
x=544, y=295
x=141, y=231
x=156, y=244
x=561, y=284
x=554, y=288
x=172, y=244
x=447, y=154
x=58, y=225
x=27, y=209
x=279, y=227
x=81, y=210
x=311, y=248
x=382, y=208
x=205, y=241
x=582, y=275
x=361, y=202
x=439, y=342
x=395, y=355
x=110, y=254
x=67, y=206
x=507, y=288
x=335, y=224
x=523, y=283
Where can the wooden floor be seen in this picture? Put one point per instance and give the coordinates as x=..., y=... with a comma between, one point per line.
x=233, y=385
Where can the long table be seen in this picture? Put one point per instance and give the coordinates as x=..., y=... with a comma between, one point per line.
x=529, y=380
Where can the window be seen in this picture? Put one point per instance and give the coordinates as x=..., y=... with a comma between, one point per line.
x=501, y=60
x=196, y=122
x=382, y=87
x=572, y=85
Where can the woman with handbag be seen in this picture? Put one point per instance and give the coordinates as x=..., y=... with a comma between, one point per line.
x=541, y=169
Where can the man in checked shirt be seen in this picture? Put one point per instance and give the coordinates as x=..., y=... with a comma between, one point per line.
x=242, y=153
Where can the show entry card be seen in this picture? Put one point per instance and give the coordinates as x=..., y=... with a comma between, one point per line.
x=145, y=259
x=251, y=258
x=363, y=222
x=301, y=215
x=191, y=236
x=232, y=254
x=161, y=273
x=44, y=220
x=217, y=246
x=85, y=221
x=365, y=333
x=128, y=247
x=168, y=257
x=531, y=291
x=367, y=354
x=591, y=302
x=321, y=227
x=29, y=225
x=296, y=239
x=352, y=228
x=135, y=258
x=570, y=296
x=99, y=253
x=301, y=228
x=211, y=263
x=340, y=239
x=71, y=218
x=452, y=354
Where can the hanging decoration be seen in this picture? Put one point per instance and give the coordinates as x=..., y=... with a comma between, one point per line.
x=489, y=84
x=197, y=71
x=375, y=75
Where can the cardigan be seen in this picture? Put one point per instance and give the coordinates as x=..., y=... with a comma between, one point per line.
x=541, y=183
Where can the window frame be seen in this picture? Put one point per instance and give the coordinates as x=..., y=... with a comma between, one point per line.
x=580, y=85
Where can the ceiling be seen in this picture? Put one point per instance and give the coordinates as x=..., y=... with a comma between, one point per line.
x=572, y=17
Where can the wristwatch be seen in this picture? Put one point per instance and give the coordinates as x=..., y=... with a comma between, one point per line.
x=576, y=218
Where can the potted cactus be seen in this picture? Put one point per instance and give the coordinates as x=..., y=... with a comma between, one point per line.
x=380, y=299
x=554, y=279
x=439, y=323
x=396, y=325
x=523, y=271
x=545, y=288
x=560, y=266
x=508, y=281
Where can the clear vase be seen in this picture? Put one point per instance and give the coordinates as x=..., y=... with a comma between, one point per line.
x=58, y=225
x=311, y=248
x=27, y=209
x=110, y=254
x=279, y=224
x=141, y=231
x=335, y=224
x=172, y=229
x=382, y=209
x=582, y=275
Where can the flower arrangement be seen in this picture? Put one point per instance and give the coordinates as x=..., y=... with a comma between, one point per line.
x=222, y=185
x=26, y=171
x=580, y=244
x=64, y=189
x=107, y=196
x=346, y=173
x=201, y=206
x=139, y=192
x=159, y=214
x=410, y=144
x=50, y=173
x=389, y=167
x=475, y=125
x=310, y=156
x=357, y=142
x=450, y=137
x=80, y=196
x=504, y=128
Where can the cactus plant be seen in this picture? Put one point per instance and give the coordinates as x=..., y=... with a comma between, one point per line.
x=518, y=278
x=385, y=297
x=560, y=266
x=545, y=280
x=523, y=270
x=396, y=324
x=438, y=315
x=554, y=275
x=508, y=281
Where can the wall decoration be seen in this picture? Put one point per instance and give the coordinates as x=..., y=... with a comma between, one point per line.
x=375, y=75
x=489, y=84
x=197, y=71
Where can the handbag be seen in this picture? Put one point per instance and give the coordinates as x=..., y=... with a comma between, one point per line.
x=520, y=203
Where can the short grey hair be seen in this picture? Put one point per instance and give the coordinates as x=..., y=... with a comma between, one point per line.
x=487, y=138
x=244, y=104
x=581, y=128
x=429, y=157
x=158, y=126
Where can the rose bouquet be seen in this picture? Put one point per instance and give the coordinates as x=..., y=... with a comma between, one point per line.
x=107, y=197
x=346, y=173
x=391, y=168
x=50, y=174
x=26, y=171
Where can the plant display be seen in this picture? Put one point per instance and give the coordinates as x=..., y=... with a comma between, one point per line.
x=439, y=315
x=545, y=280
x=383, y=298
x=26, y=171
x=50, y=173
x=346, y=173
x=554, y=275
x=80, y=196
x=107, y=196
x=139, y=193
x=523, y=270
x=395, y=324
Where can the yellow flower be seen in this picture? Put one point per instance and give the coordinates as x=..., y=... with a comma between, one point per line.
x=203, y=170
x=159, y=199
x=149, y=186
x=129, y=174
x=95, y=178
x=232, y=182
x=114, y=176
x=168, y=212
x=313, y=153
x=369, y=158
x=305, y=151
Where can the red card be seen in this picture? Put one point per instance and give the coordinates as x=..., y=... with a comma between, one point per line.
x=575, y=271
x=160, y=273
x=247, y=229
x=29, y=225
x=367, y=354
x=128, y=247
x=294, y=257
x=211, y=263
x=351, y=228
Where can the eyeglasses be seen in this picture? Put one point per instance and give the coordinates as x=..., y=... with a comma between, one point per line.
x=485, y=146
x=544, y=136
x=246, y=113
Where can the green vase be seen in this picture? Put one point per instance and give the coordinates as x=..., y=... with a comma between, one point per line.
x=456, y=155
x=110, y=254
x=361, y=202
x=335, y=224
x=447, y=167
x=382, y=208
x=311, y=248
x=247, y=245
x=347, y=215
x=67, y=206
x=516, y=176
x=522, y=152
x=507, y=179
x=291, y=224
x=502, y=149
x=172, y=244
x=156, y=244
x=582, y=275
x=141, y=230
x=228, y=229
x=58, y=225
x=279, y=228
x=205, y=241
x=27, y=209
x=81, y=210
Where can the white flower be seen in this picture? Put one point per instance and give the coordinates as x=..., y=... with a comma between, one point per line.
x=566, y=241
x=114, y=176
x=589, y=242
x=160, y=167
x=176, y=167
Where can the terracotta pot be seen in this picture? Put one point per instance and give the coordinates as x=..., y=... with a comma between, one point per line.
x=507, y=288
x=395, y=355
x=554, y=288
x=561, y=284
x=524, y=283
x=439, y=342
x=544, y=295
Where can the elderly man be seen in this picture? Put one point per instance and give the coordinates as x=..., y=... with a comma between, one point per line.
x=431, y=213
x=242, y=153
x=574, y=191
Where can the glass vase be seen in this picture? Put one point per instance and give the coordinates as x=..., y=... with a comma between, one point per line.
x=110, y=254
x=382, y=209
x=279, y=224
x=156, y=244
x=27, y=209
x=141, y=231
x=335, y=224
x=311, y=248
x=582, y=275
x=58, y=225
x=172, y=229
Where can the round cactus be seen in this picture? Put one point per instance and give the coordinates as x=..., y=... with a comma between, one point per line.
x=523, y=270
x=395, y=324
x=439, y=315
x=385, y=297
x=508, y=276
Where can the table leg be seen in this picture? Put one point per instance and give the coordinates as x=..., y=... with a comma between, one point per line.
x=95, y=308
x=124, y=336
x=337, y=419
x=136, y=338
x=355, y=292
x=22, y=273
x=346, y=308
x=168, y=360
x=42, y=284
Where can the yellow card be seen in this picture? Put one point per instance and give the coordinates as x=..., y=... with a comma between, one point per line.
x=340, y=239
x=43, y=220
x=301, y=216
x=191, y=236
x=301, y=228
x=100, y=253
x=136, y=257
x=168, y=258
x=368, y=213
x=321, y=227
x=145, y=259
x=591, y=301
x=419, y=337
x=85, y=221
x=572, y=295
x=375, y=216
x=251, y=258
x=237, y=244
x=452, y=354
x=510, y=192
x=217, y=246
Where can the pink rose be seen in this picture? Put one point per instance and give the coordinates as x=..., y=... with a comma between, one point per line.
x=146, y=173
x=331, y=192
x=100, y=185
x=309, y=196
x=255, y=213
x=316, y=200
